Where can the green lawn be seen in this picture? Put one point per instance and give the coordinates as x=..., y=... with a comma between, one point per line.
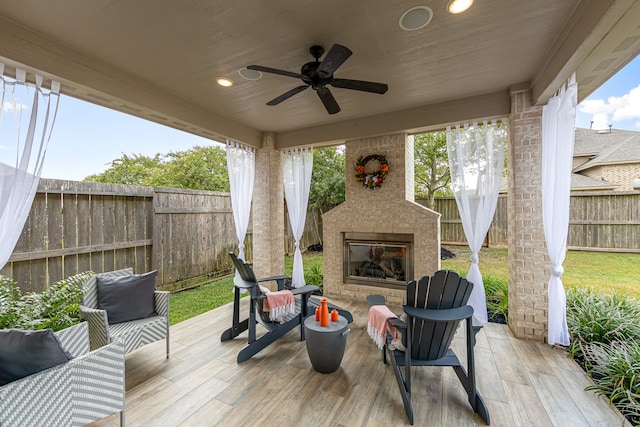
x=598, y=271
x=595, y=270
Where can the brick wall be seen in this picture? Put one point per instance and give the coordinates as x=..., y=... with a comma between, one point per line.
x=528, y=260
x=389, y=208
x=623, y=175
x=268, y=211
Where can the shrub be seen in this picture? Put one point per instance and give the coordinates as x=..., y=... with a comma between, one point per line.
x=594, y=317
x=497, y=292
x=56, y=308
x=605, y=337
x=313, y=275
x=616, y=368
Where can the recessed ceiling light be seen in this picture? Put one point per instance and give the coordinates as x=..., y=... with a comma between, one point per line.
x=459, y=6
x=248, y=74
x=224, y=81
x=416, y=18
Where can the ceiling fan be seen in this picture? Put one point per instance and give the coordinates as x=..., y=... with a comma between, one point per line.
x=318, y=74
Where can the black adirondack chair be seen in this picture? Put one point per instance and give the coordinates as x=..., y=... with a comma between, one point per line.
x=275, y=330
x=435, y=306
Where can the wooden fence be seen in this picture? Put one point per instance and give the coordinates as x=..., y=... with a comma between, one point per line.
x=598, y=221
x=80, y=226
x=186, y=234
x=451, y=231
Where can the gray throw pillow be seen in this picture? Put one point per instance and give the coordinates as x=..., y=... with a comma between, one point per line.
x=127, y=298
x=24, y=353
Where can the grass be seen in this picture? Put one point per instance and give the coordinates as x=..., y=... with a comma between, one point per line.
x=187, y=304
x=601, y=272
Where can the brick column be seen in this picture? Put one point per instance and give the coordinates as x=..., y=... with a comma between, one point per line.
x=527, y=248
x=268, y=211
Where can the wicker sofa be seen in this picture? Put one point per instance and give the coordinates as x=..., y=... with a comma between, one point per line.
x=134, y=333
x=88, y=387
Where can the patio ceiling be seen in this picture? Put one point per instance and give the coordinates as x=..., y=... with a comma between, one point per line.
x=158, y=59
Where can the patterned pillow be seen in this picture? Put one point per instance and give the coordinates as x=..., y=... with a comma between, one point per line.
x=127, y=298
x=24, y=353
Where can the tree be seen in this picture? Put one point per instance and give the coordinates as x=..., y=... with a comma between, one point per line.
x=327, y=181
x=431, y=166
x=199, y=168
x=131, y=170
x=327, y=178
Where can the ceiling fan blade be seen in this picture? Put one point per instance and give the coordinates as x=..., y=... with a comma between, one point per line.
x=332, y=60
x=328, y=100
x=274, y=71
x=287, y=95
x=360, y=85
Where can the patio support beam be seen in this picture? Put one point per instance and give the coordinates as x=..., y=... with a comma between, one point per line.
x=268, y=211
x=527, y=254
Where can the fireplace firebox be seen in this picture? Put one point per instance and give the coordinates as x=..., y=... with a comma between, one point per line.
x=378, y=259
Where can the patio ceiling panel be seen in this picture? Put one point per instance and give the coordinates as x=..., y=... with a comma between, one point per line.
x=158, y=59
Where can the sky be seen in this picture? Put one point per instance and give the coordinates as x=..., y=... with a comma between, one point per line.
x=87, y=137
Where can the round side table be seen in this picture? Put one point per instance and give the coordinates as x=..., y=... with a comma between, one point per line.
x=326, y=344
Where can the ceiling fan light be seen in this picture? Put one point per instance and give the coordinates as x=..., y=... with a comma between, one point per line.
x=415, y=18
x=459, y=6
x=224, y=81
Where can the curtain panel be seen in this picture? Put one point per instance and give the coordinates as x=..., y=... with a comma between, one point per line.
x=297, y=166
x=476, y=162
x=558, y=137
x=241, y=166
x=27, y=118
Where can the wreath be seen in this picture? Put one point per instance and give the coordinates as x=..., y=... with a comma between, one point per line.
x=371, y=180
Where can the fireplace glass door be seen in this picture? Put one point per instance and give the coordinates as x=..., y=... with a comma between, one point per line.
x=378, y=259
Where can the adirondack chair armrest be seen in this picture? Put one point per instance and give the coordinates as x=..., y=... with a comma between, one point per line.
x=308, y=289
x=442, y=315
x=398, y=324
x=278, y=279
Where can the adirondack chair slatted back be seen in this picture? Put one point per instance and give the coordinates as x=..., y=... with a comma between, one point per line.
x=444, y=290
x=247, y=274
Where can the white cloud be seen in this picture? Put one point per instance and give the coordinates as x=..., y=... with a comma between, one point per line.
x=14, y=108
x=614, y=109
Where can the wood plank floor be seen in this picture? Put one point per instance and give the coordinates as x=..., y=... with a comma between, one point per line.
x=524, y=383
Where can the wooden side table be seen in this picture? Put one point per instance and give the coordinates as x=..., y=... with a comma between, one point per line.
x=326, y=344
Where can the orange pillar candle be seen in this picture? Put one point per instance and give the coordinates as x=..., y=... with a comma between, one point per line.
x=324, y=312
x=334, y=315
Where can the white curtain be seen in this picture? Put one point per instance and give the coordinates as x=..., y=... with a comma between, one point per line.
x=241, y=166
x=27, y=116
x=296, y=169
x=476, y=161
x=558, y=135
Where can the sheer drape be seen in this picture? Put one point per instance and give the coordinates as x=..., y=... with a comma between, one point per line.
x=476, y=161
x=27, y=116
x=241, y=166
x=558, y=135
x=296, y=169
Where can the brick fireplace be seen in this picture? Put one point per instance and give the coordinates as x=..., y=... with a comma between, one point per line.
x=384, y=222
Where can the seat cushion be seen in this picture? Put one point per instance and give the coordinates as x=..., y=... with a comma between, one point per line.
x=24, y=353
x=127, y=298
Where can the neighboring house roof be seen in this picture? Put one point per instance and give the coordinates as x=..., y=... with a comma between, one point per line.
x=608, y=147
x=578, y=183
x=584, y=183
